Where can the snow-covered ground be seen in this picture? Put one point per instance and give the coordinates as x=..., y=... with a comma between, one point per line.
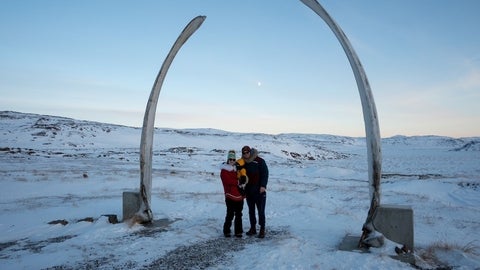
x=60, y=169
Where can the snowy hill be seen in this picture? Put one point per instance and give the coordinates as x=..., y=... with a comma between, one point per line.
x=74, y=172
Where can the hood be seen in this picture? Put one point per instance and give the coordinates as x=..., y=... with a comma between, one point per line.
x=227, y=167
x=253, y=155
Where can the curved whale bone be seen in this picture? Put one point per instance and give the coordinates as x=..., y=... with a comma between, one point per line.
x=370, y=118
x=144, y=214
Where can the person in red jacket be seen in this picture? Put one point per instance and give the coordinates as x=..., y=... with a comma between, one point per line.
x=233, y=196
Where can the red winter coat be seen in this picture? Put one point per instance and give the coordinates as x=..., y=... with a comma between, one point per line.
x=228, y=174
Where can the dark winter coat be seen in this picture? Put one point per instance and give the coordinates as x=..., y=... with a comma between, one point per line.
x=228, y=174
x=257, y=172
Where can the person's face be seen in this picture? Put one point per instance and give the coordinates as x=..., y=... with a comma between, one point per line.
x=246, y=154
x=231, y=161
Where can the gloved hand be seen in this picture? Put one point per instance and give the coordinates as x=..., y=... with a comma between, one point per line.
x=243, y=180
x=241, y=190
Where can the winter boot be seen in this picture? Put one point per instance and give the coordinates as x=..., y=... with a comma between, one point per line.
x=251, y=232
x=262, y=233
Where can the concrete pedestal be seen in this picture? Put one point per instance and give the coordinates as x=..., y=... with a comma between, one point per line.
x=131, y=204
x=395, y=222
x=350, y=243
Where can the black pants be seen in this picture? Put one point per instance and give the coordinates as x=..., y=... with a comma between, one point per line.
x=258, y=200
x=234, y=209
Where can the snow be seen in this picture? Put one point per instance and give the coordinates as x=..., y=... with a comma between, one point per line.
x=55, y=168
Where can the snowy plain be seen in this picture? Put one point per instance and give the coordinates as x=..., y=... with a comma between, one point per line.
x=61, y=178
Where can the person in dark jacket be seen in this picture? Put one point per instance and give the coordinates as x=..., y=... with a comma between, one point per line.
x=233, y=197
x=256, y=189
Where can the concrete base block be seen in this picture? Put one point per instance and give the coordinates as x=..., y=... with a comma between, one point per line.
x=395, y=222
x=131, y=204
x=350, y=243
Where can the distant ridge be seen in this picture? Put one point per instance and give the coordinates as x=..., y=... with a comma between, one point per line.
x=52, y=122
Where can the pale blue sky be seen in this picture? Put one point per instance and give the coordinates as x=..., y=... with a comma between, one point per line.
x=254, y=66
